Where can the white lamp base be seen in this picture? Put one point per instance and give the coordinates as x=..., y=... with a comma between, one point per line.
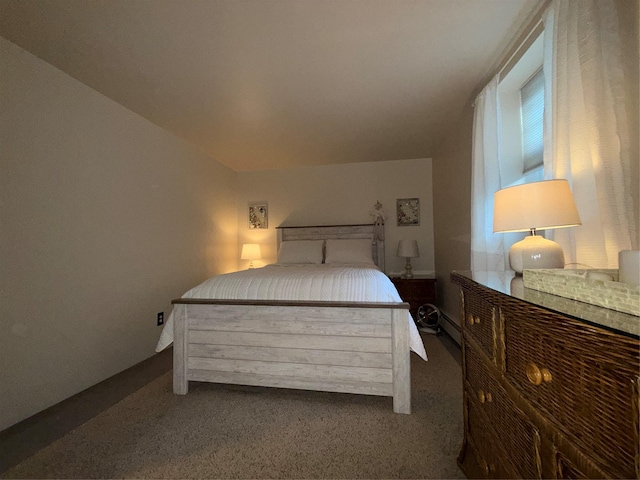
x=535, y=251
x=408, y=273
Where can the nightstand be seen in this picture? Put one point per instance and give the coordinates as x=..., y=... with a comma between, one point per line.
x=416, y=291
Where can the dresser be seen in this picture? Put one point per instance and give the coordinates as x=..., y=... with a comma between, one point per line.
x=416, y=291
x=550, y=384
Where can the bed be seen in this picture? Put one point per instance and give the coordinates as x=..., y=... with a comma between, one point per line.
x=312, y=321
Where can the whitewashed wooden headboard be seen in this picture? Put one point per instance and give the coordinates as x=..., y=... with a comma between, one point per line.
x=323, y=232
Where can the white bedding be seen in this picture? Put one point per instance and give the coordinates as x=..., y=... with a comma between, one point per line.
x=316, y=282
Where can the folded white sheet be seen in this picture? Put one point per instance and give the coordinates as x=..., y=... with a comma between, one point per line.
x=317, y=282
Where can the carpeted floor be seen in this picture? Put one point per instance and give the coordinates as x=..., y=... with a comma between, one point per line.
x=221, y=431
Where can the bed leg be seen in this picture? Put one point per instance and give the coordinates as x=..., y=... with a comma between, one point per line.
x=401, y=362
x=180, y=350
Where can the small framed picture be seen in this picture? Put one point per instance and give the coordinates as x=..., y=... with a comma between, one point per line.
x=258, y=216
x=408, y=211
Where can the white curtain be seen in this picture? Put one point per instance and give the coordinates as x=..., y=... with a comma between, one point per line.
x=587, y=128
x=487, y=248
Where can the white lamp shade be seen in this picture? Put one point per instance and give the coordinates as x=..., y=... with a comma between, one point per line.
x=538, y=205
x=250, y=251
x=408, y=249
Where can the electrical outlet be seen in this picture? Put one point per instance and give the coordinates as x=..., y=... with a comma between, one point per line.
x=160, y=318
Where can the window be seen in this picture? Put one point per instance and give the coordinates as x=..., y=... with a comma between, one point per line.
x=521, y=93
x=531, y=119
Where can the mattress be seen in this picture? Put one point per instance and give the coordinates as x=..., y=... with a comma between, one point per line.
x=301, y=282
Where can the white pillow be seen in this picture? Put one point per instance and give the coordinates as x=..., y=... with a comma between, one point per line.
x=348, y=251
x=300, y=251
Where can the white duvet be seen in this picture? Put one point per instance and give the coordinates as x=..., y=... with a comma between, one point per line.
x=321, y=282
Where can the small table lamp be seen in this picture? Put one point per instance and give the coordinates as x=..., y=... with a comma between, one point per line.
x=409, y=250
x=530, y=207
x=251, y=251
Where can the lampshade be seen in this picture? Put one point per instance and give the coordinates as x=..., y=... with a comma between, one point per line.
x=251, y=251
x=529, y=207
x=408, y=249
x=539, y=205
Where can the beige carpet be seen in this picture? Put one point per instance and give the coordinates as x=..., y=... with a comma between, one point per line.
x=220, y=431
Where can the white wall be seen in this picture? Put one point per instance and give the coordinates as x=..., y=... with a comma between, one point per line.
x=104, y=218
x=452, y=220
x=341, y=194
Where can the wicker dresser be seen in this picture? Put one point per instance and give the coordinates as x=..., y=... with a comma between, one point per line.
x=550, y=384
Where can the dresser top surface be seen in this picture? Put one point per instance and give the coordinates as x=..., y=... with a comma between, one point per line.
x=507, y=283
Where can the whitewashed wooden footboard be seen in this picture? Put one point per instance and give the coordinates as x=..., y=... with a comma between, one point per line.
x=347, y=347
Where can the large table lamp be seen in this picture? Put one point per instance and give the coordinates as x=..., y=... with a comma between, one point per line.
x=530, y=207
x=408, y=249
x=251, y=251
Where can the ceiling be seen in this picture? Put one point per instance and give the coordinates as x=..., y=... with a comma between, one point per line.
x=262, y=84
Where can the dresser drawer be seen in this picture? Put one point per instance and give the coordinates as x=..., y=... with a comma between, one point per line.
x=493, y=460
x=583, y=468
x=584, y=378
x=566, y=469
x=517, y=435
x=480, y=318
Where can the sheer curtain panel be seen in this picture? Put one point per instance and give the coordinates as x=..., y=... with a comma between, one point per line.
x=587, y=127
x=487, y=248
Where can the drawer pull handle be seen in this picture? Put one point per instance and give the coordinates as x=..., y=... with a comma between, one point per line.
x=485, y=396
x=473, y=320
x=487, y=468
x=538, y=375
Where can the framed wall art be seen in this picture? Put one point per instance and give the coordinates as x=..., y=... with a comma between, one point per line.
x=258, y=216
x=408, y=211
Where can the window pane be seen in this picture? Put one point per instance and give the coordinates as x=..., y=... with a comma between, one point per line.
x=532, y=114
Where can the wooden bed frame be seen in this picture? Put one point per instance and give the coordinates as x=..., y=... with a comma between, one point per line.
x=347, y=347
